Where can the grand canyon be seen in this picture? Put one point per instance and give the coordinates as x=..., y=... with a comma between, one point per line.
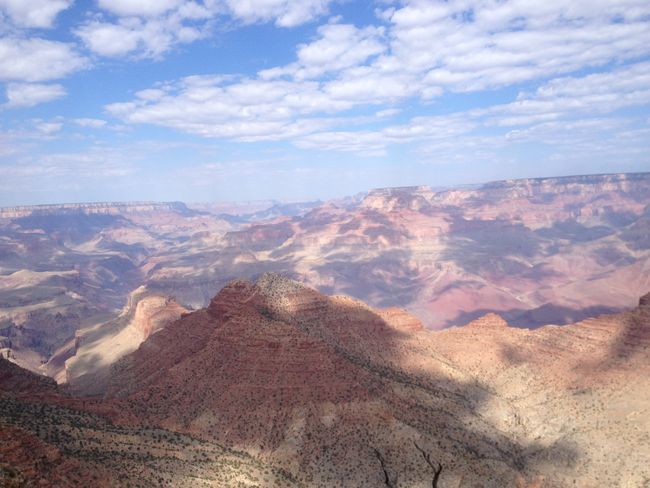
x=324, y=244
x=495, y=335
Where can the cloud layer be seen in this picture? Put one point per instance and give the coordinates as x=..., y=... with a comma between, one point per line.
x=424, y=50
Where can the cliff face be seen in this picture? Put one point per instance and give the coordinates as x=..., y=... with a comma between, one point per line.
x=536, y=251
x=314, y=383
x=103, y=208
x=314, y=386
x=525, y=200
x=388, y=199
x=96, y=349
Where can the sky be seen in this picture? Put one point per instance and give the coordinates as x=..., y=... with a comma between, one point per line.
x=234, y=100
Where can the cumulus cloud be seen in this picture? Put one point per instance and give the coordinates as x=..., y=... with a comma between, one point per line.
x=424, y=50
x=560, y=111
x=303, y=111
x=597, y=93
x=109, y=39
x=145, y=8
x=30, y=94
x=37, y=59
x=48, y=128
x=144, y=37
x=339, y=46
x=375, y=142
x=33, y=13
x=151, y=28
x=147, y=29
x=243, y=109
x=285, y=13
x=465, y=46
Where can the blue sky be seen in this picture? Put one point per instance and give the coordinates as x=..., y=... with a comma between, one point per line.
x=212, y=100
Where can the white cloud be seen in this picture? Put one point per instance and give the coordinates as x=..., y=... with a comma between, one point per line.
x=33, y=13
x=597, y=93
x=144, y=37
x=30, y=94
x=565, y=110
x=91, y=123
x=48, y=128
x=37, y=59
x=285, y=13
x=244, y=109
x=144, y=8
x=150, y=28
x=425, y=49
x=465, y=45
x=375, y=142
x=151, y=94
x=69, y=170
x=146, y=28
x=109, y=39
x=340, y=46
x=389, y=112
x=274, y=109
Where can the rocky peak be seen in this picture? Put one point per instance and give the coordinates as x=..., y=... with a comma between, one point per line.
x=644, y=302
x=272, y=294
x=491, y=320
x=231, y=297
x=276, y=285
x=406, y=197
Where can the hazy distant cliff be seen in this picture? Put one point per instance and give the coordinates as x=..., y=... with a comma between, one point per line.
x=544, y=189
x=103, y=208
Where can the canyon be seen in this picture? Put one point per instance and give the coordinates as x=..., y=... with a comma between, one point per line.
x=537, y=251
x=495, y=331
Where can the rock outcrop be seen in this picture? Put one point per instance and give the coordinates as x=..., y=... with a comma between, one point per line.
x=17, y=381
x=97, y=348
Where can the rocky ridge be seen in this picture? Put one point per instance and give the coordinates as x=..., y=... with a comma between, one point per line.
x=291, y=371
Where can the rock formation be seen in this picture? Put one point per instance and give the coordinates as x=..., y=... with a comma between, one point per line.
x=313, y=384
x=87, y=367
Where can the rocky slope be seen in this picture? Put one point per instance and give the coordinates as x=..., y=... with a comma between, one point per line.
x=53, y=440
x=43, y=443
x=315, y=384
x=84, y=363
